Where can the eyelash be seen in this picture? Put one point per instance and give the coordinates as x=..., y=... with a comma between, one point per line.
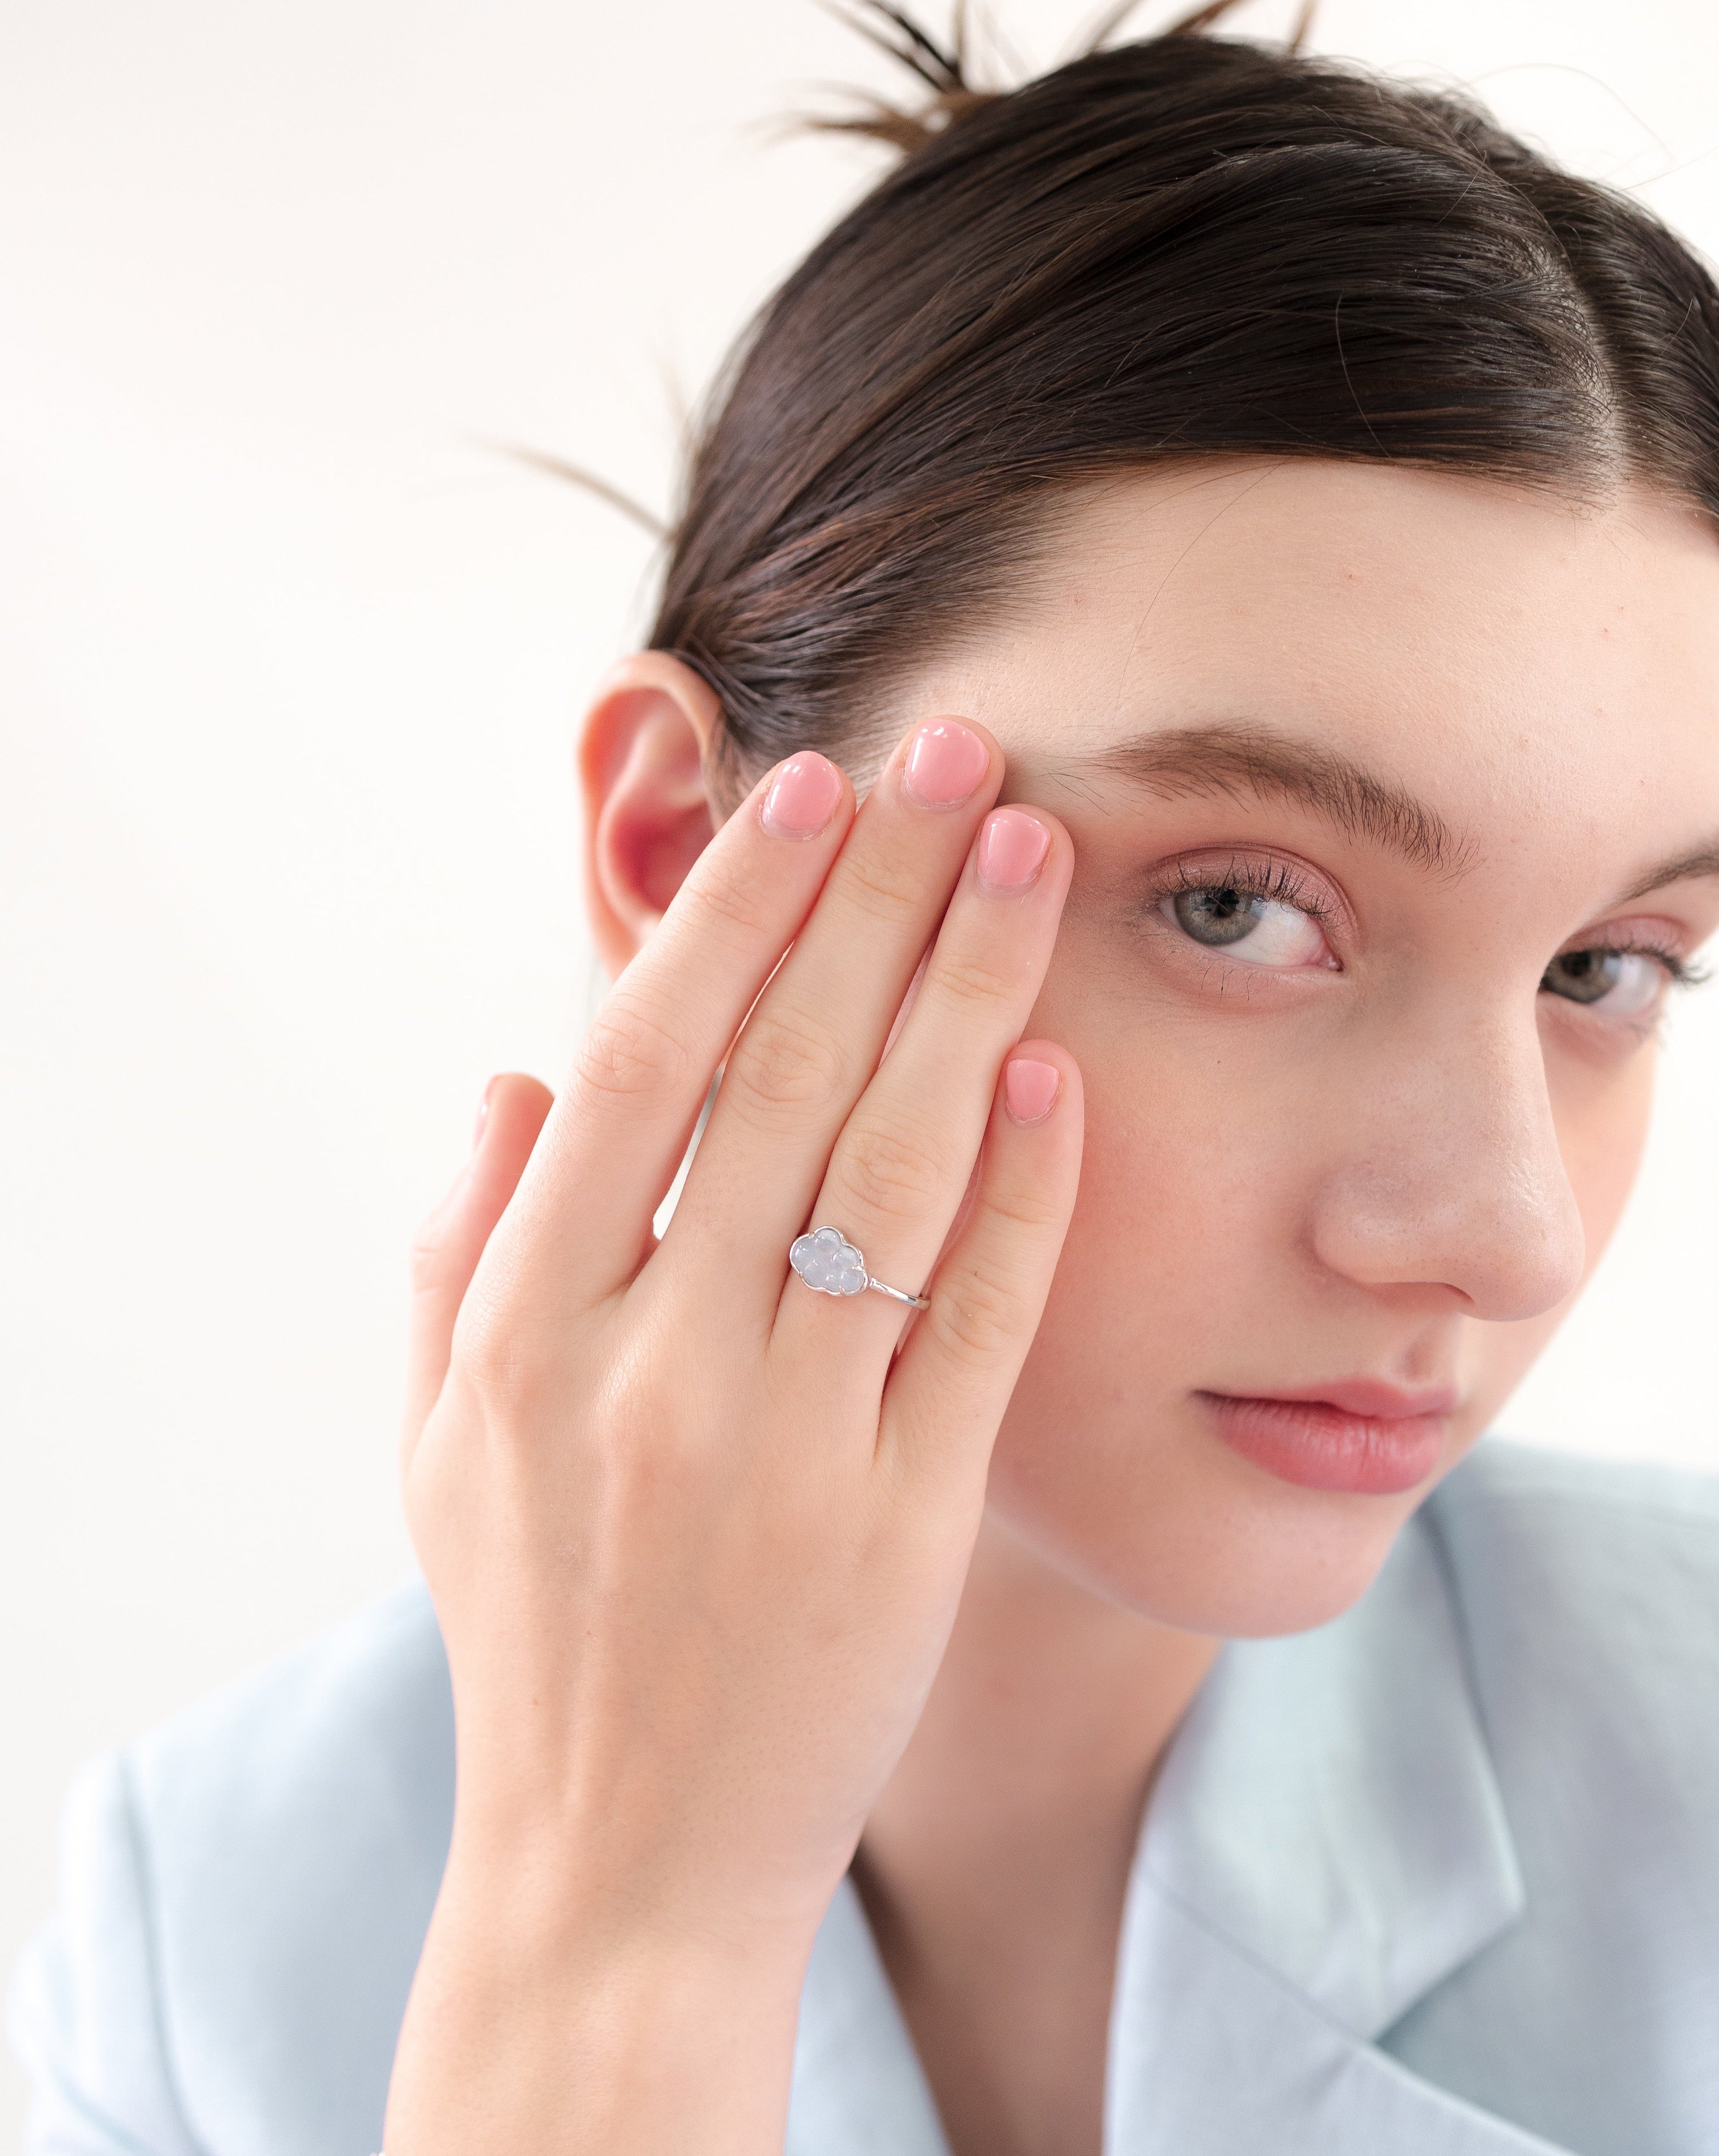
x=1679, y=972
x=1279, y=882
x=1254, y=878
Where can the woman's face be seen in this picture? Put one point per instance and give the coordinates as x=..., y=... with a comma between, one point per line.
x=1395, y=801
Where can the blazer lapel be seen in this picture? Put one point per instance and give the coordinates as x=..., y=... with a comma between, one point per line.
x=1326, y=1844
x=1216, y=2055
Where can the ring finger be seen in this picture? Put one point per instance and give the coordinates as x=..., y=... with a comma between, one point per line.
x=900, y=1167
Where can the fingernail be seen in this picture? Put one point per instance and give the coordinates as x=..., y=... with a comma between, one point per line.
x=1029, y=1090
x=804, y=796
x=477, y=1136
x=1012, y=849
x=945, y=763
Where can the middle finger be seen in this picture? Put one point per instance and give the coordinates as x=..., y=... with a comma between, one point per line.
x=813, y=1042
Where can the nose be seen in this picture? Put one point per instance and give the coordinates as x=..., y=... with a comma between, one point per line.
x=1446, y=1172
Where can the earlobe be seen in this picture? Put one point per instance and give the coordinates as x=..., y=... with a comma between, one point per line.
x=642, y=757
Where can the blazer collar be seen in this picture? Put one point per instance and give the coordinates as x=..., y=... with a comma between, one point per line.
x=1326, y=1842
x=1329, y=1807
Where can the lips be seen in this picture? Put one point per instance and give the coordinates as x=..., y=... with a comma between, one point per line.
x=1356, y=1434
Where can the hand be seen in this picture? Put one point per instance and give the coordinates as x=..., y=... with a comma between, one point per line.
x=696, y=1534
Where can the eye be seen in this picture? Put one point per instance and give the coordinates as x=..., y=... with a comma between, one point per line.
x=1619, y=983
x=1242, y=924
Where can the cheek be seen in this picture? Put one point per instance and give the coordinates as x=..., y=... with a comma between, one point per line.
x=1192, y=1199
x=1160, y=1217
x=1103, y=1462
x=1165, y=1251
x=1183, y=1262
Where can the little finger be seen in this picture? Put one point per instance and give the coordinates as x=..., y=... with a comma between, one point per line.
x=449, y=1245
x=950, y=1384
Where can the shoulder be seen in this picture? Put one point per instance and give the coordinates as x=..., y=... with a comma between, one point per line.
x=348, y=1737
x=1506, y=1474
x=244, y=1894
x=1572, y=1556
x=1587, y=1594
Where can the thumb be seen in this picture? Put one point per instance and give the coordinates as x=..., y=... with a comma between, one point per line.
x=446, y=1248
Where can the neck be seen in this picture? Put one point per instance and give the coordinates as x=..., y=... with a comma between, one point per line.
x=994, y=1865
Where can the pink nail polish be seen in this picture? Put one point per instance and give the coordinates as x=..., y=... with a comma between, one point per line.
x=1029, y=1089
x=802, y=796
x=1012, y=849
x=945, y=763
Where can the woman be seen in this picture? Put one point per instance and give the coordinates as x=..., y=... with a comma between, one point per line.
x=994, y=1634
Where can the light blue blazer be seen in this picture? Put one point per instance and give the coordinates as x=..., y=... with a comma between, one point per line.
x=1441, y=1878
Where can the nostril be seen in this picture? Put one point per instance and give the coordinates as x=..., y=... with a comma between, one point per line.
x=1490, y=1225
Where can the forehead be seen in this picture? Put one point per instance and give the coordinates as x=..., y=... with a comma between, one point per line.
x=1496, y=649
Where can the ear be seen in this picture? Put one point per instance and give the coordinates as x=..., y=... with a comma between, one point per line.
x=641, y=761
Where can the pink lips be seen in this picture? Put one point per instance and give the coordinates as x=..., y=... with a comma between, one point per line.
x=1358, y=1434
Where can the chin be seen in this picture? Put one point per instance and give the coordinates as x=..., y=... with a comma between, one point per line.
x=1183, y=1532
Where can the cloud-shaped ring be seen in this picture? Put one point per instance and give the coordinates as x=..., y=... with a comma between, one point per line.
x=827, y=1260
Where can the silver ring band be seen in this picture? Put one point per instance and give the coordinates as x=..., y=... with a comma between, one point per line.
x=826, y=1260
x=900, y=1294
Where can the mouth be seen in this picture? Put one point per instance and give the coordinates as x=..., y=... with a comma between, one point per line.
x=1358, y=1434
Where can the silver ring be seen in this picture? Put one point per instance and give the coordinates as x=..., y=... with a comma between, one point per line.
x=825, y=1259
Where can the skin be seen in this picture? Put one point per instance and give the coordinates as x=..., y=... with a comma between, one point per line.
x=1396, y=1158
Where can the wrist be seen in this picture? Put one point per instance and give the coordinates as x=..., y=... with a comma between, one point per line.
x=551, y=1916
x=547, y=2016
x=559, y=1890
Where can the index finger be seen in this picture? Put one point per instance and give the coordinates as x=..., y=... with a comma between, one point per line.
x=621, y=1124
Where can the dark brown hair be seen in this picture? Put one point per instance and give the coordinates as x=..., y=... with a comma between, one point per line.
x=1178, y=247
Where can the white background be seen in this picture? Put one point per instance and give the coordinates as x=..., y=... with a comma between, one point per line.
x=290, y=668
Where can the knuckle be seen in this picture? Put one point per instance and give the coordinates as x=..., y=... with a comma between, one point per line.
x=439, y=1251
x=484, y=1344
x=489, y=1341
x=783, y=1064
x=965, y=980
x=883, y=886
x=508, y=1377
x=734, y=898
x=426, y=1259
x=1027, y=1206
x=978, y=1315
x=893, y=1174
x=631, y=1054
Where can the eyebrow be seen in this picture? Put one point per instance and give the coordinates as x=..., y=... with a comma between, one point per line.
x=1699, y=861
x=1237, y=759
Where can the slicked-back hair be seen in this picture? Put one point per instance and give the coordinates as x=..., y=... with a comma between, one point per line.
x=1180, y=247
